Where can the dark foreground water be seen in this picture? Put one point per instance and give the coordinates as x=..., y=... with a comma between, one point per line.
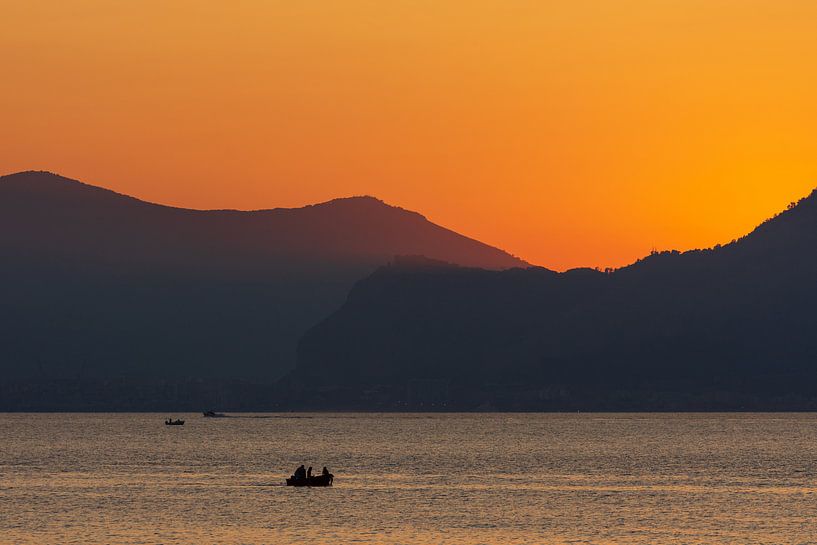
x=412, y=478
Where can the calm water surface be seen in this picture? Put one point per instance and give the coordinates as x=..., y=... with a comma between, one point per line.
x=476, y=478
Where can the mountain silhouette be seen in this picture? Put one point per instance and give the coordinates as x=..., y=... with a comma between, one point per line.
x=97, y=284
x=730, y=327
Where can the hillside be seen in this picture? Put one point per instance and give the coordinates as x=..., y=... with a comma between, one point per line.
x=725, y=328
x=96, y=284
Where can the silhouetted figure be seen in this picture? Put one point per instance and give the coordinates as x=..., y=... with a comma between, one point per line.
x=326, y=473
x=309, y=472
x=300, y=474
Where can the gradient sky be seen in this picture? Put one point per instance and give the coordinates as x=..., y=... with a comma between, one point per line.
x=570, y=133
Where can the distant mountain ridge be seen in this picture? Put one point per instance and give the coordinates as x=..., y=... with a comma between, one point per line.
x=99, y=284
x=342, y=227
x=725, y=328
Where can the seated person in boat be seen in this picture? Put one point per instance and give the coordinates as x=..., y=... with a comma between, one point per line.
x=326, y=473
x=300, y=474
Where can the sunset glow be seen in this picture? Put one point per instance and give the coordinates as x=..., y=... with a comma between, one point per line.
x=574, y=133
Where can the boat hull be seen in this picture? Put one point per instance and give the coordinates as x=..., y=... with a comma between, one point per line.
x=315, y=480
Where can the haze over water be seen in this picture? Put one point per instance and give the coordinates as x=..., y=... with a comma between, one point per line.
x=410, y=478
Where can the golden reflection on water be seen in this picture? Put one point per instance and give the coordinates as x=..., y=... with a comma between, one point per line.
x=458, y=479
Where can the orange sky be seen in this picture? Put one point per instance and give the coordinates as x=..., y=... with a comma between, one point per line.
x=580, y=132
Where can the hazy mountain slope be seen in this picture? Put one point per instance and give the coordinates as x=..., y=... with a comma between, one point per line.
x=94, y=283
x=739, y=317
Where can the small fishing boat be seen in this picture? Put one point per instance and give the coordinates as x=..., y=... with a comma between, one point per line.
x=170, y=422
x=213, y=414
x=314, y=480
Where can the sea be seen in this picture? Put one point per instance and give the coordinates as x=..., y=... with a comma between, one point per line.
x=409, y=479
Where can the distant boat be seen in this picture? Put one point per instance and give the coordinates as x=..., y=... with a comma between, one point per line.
x=212, y=414
x=315, y=480
x=170, y=422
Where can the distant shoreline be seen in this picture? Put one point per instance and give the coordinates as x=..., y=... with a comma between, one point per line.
x=306, y=414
